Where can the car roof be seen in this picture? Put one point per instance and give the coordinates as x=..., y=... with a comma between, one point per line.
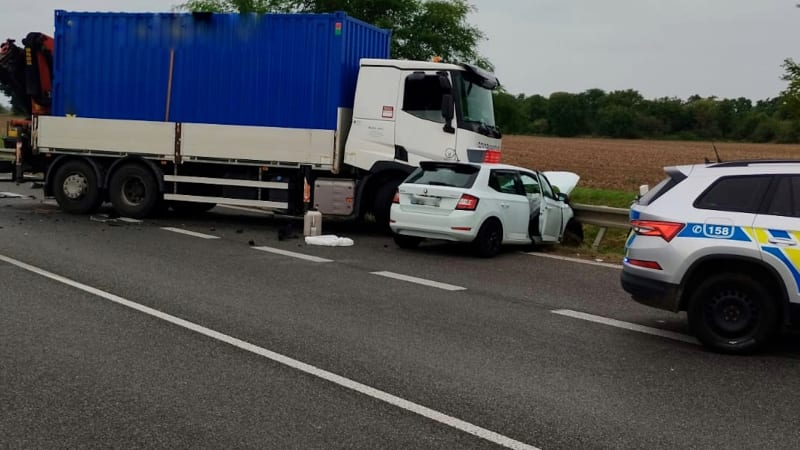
x=480, y=165
x=740, y=167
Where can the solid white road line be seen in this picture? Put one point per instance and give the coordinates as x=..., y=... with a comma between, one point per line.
x=627, y=326
x=287, y=361
x=422, y=281
x=576, y=260
x=190, y=233
x=302, y=256
x=129, y=220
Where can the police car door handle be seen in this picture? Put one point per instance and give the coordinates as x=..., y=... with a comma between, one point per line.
x=783, y=242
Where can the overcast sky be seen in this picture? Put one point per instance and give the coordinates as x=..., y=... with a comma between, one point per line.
x=727, y=48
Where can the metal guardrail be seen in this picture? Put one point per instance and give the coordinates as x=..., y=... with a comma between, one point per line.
x=604, y=217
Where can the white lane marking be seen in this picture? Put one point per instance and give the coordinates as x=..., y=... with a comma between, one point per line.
x=576, y=260
x=129, y=220
x=278, y=251
x=50, y=202
x=627, y=326
x=346, y=383
x=190, y=233
x=422, y=281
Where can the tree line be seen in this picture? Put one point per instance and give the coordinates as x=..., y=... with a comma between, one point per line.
x=627, y=114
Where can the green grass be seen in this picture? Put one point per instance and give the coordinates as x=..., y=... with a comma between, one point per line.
x=604, y=197
x=612, y=246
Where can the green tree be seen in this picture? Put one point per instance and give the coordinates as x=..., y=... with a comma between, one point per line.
x=421, y=29
x=566, y=114
x=791, y=95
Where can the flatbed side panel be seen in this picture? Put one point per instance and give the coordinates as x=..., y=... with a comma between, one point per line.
x=267, y=144
x=103, y=135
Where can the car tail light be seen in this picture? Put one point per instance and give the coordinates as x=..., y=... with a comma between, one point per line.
x=641, y=263
x=467, y=202
x=664, y=230
x=396, y=198
x=491, y=156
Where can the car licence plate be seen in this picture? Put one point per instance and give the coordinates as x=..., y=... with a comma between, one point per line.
x=426, y=201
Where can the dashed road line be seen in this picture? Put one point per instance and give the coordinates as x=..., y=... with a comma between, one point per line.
x=190, y=233
x=627, y=326
x=331, y=377
x=422, y=281
x=129, y=220
x=576, y=260
x=302, y=256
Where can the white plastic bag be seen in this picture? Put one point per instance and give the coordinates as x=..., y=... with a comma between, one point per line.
x=329, y=240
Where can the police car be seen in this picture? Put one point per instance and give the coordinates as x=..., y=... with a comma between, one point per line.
x=488, y=204
x=720, y=241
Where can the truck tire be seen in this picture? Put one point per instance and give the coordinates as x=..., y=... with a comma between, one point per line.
x=489, y=240
x=191, y=208
x=75, y=188
x=382, y=206
x=733, y=313
x=134, y=191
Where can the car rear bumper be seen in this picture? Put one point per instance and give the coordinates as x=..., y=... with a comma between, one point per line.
x=459, y=226
x=647, y=291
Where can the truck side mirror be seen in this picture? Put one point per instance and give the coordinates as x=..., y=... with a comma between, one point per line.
x=447, y=113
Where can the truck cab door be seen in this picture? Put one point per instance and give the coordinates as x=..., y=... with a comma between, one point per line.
x=421, y=130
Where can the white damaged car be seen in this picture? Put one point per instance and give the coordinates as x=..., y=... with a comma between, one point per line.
x=486, y=204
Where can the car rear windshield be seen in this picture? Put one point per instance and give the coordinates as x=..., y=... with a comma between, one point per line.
x=673, y=178
x=453, y=175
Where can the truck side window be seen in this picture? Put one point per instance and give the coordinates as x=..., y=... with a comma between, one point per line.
x=423, y=98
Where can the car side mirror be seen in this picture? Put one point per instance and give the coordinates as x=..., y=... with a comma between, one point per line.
x=447, y=113
x=563, y=197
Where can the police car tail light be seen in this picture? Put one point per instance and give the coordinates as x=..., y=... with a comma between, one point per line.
x=467, y=202
x=641, y=263
x=491, y=156
x=664, y=230
x=396, y=198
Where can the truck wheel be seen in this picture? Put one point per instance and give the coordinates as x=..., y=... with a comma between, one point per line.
x=490, y=239
x=134, y=191
x=191, y=208
x=409, y=242
x=732, y=313
x=383, y=204
x=75, y=188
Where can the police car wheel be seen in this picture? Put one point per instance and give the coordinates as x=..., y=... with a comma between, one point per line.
x=732, y=313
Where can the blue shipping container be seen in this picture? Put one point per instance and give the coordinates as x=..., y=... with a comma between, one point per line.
x=278, y=70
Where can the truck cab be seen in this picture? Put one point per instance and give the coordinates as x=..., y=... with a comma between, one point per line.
x=413, y=111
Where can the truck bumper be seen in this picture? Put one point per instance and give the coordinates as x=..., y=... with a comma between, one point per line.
x=646, y=291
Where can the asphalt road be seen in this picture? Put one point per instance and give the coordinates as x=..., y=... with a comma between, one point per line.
x=155, y=338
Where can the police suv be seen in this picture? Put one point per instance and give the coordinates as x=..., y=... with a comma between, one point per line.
x=720, y=241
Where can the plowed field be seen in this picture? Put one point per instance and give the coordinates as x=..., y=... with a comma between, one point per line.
x=626, y=164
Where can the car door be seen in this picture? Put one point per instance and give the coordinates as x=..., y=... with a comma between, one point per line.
x=777, y=230
x=552, y=212
x=533, y=190
x=510, y=203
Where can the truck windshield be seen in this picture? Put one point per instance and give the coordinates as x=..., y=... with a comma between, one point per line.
x=476, y=105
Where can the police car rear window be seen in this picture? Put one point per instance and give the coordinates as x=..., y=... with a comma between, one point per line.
x=674, y=177
x=735, y=194
x=453, y=175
